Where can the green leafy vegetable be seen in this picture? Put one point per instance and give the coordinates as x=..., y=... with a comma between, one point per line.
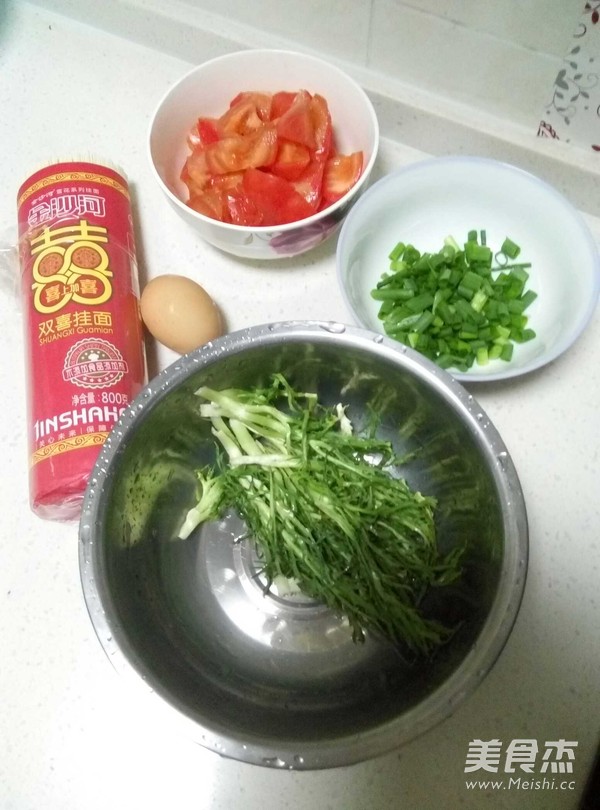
x=325, y=509
x=458, y=306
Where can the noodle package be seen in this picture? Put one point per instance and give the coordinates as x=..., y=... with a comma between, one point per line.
x=85, y=357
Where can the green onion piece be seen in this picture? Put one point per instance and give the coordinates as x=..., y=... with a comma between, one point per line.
x=397, y=252
x=482, y=356
x=450, y=241
x=479, y=300
x=528, y=298
x=510, y=248
x=425, y=320
x=477, y=253
x=472, y=280
x=385, y=294
x=420, y=302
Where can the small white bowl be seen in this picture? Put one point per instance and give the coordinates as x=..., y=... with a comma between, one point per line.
x=432, y=199
x=207, y=90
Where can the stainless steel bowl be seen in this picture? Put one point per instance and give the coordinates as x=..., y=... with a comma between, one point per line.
x=274, y=680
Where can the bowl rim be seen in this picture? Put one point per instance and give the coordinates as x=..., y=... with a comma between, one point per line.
x=450, y=694
x=426, y=164
x=318, y=216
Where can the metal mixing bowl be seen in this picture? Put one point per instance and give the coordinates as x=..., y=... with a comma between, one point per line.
x=275, y=680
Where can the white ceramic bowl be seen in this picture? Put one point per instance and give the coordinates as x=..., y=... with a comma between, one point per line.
x=207, y=90
x=431, y=199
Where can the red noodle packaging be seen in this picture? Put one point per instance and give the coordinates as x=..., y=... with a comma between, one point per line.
x=85, y=358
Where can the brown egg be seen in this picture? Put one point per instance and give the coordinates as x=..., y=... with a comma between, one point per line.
x=179, y=313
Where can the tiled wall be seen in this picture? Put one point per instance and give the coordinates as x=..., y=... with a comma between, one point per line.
x=498, y=56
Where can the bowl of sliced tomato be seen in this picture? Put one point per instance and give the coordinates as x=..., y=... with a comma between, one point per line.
x=264, y=152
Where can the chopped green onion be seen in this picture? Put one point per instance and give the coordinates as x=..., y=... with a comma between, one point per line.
x=397, y=251
x=510, y=249
x=457, y=306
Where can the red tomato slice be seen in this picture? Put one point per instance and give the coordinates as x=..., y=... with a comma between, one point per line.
x=204, y=131
x=242, y=209
x=207, y=130
x=262, y=102
x=310, y=184
x=292, y=159
x=226, y=182
x=238, y=152
x=193, y=137
x=281, y=102
x=211, y=202
x=275, y=198
x=241, y=119
x=341, y=173
x=195, y=173
x=296, y=124
x=323, y=129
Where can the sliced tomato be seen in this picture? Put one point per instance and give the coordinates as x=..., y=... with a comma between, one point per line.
x=242, y=209
x=296, y=124
x=274, y=197
x=321, y=119
x=226, y=182
x=310, y=184
x=269, y=159
x=211, y=202
x=195, y=173
x=204, y=131
x=262, y=102
x=341, y=173
x=238, y=152
x=241, y=119
x=208, y=130
x=193, y=137
x=281, y=102
x=292, y=158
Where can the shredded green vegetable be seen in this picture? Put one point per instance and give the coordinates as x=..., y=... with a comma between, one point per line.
x=326, y=510
x=459, y=306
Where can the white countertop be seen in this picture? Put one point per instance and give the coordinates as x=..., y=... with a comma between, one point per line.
x=73, y=734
